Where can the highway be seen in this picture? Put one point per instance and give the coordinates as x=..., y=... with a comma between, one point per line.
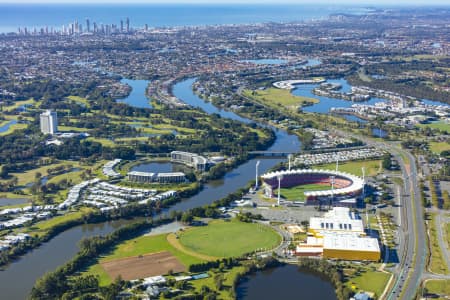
x=413, y=248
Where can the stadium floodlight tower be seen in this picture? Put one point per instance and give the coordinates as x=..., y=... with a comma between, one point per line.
x=364, y=196
x=364, y=181
x=280, y=177
x=257, y=165
x=332, y=189
x=290, y=157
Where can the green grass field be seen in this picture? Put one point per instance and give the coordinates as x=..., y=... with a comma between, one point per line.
x=41, y=227
x=225, y=239
x=104, y=142
x=439, y=287
x=139, y=246
x=12, y=127
x=74, y=177
x=228, y=276
x=370, y=281
x=437, y=262
x=441, y=125
x=276, y=97
x=72, y=128
x=79, y=100
x=438, y=147
x=296, y=193
x=18, y=104
x=373, y=167
x=29, y=176
x=447, y=234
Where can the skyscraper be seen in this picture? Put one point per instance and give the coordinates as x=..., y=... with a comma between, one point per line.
x=49, y=122
x=88, y=25
x=128, y=24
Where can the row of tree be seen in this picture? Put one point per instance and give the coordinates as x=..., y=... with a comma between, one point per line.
x=55, y=285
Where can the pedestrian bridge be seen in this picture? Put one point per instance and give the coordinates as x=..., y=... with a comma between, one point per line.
x=270, y=153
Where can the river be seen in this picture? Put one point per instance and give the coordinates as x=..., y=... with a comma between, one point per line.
x=326, y=103
x=18, y=278
x=137, y=96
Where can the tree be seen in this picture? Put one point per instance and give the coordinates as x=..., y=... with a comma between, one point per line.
x=305, y=224
x=187, y=217
x=387, y=162
x=218, y=281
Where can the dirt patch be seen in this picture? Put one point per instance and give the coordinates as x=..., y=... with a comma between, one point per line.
x=143, y=266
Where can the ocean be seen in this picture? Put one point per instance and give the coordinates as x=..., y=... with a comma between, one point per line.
x=13, y=16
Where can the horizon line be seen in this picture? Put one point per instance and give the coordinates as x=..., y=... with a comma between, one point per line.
x=373, y=3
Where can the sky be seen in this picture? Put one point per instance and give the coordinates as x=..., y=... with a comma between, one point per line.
x=335, y=2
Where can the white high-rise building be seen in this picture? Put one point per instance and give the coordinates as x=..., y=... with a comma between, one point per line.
x=49, y=122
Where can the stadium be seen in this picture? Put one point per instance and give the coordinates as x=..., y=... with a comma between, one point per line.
x=343, y=187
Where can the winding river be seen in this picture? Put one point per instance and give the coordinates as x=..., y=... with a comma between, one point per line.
x=18, y=278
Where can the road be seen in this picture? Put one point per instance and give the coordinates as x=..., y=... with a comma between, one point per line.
x=413, y=249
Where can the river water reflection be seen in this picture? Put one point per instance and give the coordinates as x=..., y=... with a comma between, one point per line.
x=137, y=97
x=287, y=283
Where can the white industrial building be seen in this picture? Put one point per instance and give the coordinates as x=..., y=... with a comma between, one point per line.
x=339, y=234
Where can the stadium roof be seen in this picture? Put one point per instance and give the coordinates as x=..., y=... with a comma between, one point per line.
x=356, y=185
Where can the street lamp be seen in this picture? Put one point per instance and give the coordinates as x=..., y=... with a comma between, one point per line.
x=280, y=177
x=290, y=157
x=257, y=165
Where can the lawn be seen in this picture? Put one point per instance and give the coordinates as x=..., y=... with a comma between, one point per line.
x=29, y=176
x=18, y=104
x=371, y=281
x=43, y=226
x=296, y=193
x=78, y=99
x=372, y=167
x=275, y=97
x=439, y=287
x=438, y=147
x=12, y=128
x=139, y=246
x=71, y=129
x=74, y=177
x=227, y=239
x=447, y=234
x=228, y=276
x=437, y=262
x=104, y=142
x=441, y=125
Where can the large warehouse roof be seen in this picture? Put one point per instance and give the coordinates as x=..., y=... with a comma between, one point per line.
x=350, y=242
x=339, y=219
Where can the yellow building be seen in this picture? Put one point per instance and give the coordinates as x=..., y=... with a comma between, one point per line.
x=339, y=234
x=350, y=247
